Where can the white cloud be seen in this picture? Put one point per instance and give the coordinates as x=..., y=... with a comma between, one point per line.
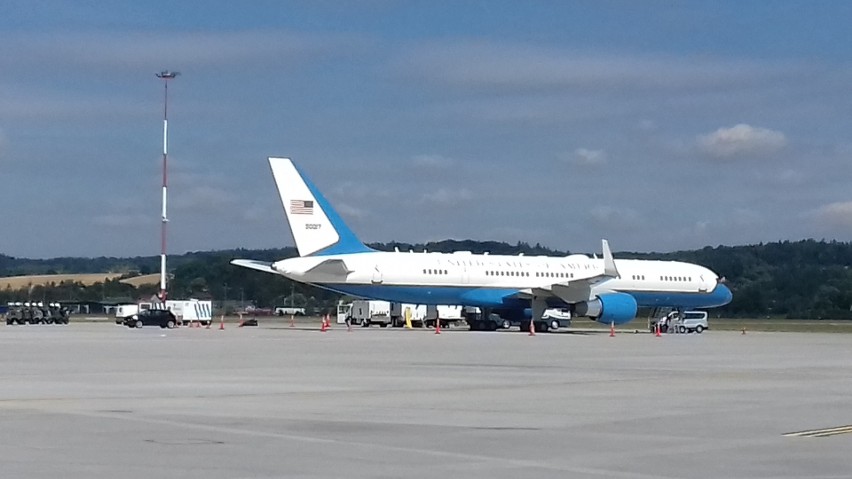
x=741, y=140
x=587, y=157
x=349, y=211
x=255, y=214
x=123, y=219
x=520, y=66
x=619, y=218
x=834, y=215
x=204, y=198
x=647, y=125
x=744, y=217
x=446, y=197
x=131, y=50
x=431, y=162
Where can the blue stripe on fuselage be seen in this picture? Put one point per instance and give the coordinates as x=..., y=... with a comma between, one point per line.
x=490, y=297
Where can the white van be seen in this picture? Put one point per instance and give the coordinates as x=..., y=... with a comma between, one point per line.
x=691, y=321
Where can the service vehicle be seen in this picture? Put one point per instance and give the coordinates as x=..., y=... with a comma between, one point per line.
x=688, y=322
x=152, y=317
x=551, y=320
x=368, y=312
x=425, y=315
x=186, y=311
x=36, y=313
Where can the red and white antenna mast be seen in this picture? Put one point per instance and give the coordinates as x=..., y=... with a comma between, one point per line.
x=165, y=75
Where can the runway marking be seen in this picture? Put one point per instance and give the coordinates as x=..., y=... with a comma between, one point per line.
x=827, y=432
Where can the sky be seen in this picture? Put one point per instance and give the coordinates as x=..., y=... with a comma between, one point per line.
x=658, y=125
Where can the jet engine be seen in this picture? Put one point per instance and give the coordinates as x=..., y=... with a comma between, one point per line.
x=607, y=308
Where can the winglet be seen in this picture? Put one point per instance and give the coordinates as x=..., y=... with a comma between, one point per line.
x=609, y=263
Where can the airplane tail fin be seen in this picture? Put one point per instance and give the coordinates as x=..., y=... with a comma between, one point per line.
x=316, y=226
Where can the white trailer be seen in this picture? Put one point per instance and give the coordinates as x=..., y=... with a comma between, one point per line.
x=185, y=310
x=422, y=315
x=369, y=312
x=415, y=312
x=191, y=310
x=289, y=311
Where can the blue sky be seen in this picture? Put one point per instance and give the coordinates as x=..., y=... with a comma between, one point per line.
x=658, y=125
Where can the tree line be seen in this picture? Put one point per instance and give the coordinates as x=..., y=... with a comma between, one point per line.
x=805, y=279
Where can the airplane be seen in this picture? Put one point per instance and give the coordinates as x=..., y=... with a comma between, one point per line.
x=513, y=287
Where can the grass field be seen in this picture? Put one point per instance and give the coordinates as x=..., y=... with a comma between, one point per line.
x=18, y=282
x=144, y=279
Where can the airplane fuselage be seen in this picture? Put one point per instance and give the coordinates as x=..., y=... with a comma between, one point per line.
x=497, y=280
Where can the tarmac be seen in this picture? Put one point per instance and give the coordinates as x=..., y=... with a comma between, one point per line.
x=97, y=400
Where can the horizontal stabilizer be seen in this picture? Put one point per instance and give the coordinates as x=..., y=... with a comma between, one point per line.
x=264, y=266
x=333, y=267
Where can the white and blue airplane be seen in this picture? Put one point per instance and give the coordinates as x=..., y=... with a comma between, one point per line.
x=604, y=289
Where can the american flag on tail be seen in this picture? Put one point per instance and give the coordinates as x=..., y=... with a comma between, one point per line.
x=301, y=207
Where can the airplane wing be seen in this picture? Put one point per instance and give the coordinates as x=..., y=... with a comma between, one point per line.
x=578, y=290
x=264, y=266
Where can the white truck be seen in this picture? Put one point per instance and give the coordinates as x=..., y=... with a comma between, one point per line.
x=687, y=322
x=367, y=312
x=289, y=311
x=185, y=310
x=425, y=316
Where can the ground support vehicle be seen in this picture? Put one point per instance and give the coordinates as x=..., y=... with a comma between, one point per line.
x=186, y=311
x=425, y=316
x=682, y=322
x=36, y=313
x=551, y=320
x=288, y=311
x=368, y=312
x=152, y=317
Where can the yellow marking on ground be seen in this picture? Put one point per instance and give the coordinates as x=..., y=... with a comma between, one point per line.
x=831, y=431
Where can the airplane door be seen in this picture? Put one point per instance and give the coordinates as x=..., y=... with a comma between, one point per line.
x=704, y=284
x=377, y=275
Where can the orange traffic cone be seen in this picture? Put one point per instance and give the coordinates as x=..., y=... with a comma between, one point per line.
x=323, y=328
x=222, y=323
x=657, y=331
x=532, y=328
x=292, y=321
x=612, y=329
x=438, y=326
x=327, y=321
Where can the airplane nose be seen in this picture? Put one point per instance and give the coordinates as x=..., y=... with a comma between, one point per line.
x=725, y=295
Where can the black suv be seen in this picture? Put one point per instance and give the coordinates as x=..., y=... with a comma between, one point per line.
x=152, y=317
